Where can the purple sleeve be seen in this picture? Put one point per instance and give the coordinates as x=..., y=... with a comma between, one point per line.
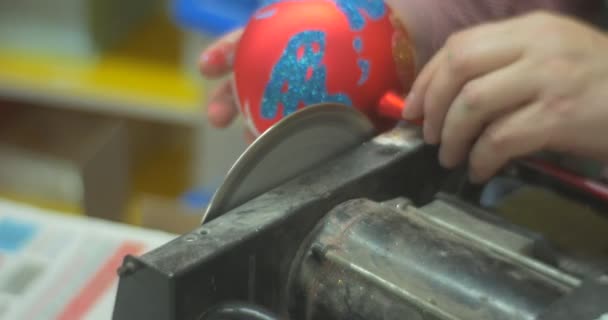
x=432, y=21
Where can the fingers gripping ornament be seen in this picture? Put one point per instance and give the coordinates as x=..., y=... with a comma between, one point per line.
x=297, y=53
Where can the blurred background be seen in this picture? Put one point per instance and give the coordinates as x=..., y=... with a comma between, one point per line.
x=102, y=120
x=102, y=108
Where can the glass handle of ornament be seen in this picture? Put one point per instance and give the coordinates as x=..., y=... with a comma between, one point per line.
x=391, y=106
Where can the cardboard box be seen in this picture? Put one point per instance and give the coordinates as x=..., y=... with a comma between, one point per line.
x=168, y=215
x=65, y=157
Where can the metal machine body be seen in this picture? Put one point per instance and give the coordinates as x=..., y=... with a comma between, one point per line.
x=378, y=232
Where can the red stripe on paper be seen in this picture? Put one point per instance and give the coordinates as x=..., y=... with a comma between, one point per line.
x=97, y=286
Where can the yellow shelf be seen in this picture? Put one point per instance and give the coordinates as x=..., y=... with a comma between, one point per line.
x=142, y=79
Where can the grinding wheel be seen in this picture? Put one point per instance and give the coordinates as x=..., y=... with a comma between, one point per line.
x=295, y=144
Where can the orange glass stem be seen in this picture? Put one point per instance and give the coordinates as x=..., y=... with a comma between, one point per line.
x=391, y=106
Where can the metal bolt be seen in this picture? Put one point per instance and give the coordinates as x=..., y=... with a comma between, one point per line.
x=318, y=251
x=403, y=205
x=191, y=237
x=128, y=268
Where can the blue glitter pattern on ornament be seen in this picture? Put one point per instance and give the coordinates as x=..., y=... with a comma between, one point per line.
x=267, y=3
x=292, y=71
x=358, y=44
x=354, y=9
x=265, y=13
x=365, y=66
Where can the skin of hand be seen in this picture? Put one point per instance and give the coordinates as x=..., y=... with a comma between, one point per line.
x=504, y=90
x=216, y=63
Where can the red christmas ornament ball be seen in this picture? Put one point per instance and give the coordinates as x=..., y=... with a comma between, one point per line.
x=296, y=53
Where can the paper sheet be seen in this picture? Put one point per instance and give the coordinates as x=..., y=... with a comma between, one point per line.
x=63, y=267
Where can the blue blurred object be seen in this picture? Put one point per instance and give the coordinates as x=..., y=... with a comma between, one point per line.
x=15, y=234
x=199, y=198
x=213, y=17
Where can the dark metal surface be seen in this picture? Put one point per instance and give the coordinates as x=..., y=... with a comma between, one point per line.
x=377, y=261
x=588, y=302
x=246, y=255
x=238, y=311
x=429, y=257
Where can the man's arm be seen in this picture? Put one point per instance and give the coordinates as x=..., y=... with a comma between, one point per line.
x=431, y=22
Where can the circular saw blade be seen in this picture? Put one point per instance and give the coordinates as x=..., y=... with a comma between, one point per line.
x=297, y=143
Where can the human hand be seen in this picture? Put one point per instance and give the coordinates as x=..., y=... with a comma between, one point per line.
x=505, y=90
x=216, y=63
